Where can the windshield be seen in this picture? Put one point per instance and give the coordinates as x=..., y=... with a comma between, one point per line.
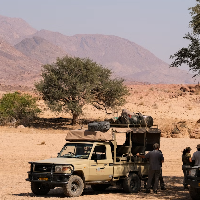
x=76, y=150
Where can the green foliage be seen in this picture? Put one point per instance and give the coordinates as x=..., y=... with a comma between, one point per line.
x=191, y=54
x=72, y=82
x=21, y=107
x=195, y=13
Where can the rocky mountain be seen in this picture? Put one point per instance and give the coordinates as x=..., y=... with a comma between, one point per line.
x=15, y=67
x=13, y=30
x=125, y=58
x=40, y=49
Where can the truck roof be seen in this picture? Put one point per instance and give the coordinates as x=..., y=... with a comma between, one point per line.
x=85, y=135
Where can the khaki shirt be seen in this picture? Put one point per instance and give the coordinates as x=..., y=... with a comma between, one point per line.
x=185, y=159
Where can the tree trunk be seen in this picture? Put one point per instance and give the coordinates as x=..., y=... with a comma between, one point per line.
x=74, y=119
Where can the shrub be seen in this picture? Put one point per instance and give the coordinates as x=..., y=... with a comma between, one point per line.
x=19, y=108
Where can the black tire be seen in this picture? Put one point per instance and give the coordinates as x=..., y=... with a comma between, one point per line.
x=147, y=121
x=99, y=126
x=40, y=188
x=74, y=187
x=194, y=193
x=131, y=184
x=100, y=187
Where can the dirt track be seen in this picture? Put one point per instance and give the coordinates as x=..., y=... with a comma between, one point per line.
x=18, y=146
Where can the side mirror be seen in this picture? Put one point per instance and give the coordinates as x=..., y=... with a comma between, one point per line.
x=94, y=157
x=58, y=154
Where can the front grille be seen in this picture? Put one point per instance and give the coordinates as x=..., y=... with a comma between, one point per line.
x=44, y=168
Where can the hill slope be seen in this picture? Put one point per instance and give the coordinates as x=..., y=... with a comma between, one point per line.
x=125, y=58
x=13, y=30
x=40, y=49
x=15, y=67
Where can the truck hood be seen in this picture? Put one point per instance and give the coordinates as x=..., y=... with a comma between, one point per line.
x=62, y=161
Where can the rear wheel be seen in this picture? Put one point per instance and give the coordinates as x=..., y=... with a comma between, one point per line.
x=40, y=188
x=194, y=193
x=100, y=187
x=74, y=187
x=131, y=184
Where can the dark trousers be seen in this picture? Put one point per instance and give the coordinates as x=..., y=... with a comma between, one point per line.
x=185, y=173
x=151, y=175
x=162, y=184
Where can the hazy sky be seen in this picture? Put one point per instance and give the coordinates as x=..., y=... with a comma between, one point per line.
x=157, y=25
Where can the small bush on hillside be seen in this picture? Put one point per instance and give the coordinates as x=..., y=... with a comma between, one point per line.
x=19, y=108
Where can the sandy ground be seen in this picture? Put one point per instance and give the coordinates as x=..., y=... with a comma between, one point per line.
x=175, y=112
x=18, y=146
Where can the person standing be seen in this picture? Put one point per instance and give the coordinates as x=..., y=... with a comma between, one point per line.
x=196, y=156
x=162, y=184
x=155, y=160
x=187, y=161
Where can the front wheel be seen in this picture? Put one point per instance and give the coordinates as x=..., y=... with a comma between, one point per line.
x=131, y=183
x=40, y=188
x=74, y=187
x=194, y=193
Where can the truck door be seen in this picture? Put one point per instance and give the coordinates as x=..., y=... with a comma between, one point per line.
x=101, y=164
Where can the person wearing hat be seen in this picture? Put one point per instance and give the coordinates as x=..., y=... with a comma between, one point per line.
x=196, y=156
x=155, y=160
x=187, y=162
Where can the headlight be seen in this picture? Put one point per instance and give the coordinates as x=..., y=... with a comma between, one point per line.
x=63, y=169
x=192, y=172
x=58, y=169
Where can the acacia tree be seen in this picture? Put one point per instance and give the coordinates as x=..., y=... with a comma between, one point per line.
x=190, y=55
x=72, y=82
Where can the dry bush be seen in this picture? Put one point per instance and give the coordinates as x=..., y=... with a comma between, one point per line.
x=141, y=103
x=42, y=143
x=165, y=90
x=197, y=92
x=151, y=89
x=175, y=130
x=155, y=106
x=188, y=106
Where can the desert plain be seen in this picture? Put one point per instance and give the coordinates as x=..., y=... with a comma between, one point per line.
x=174, y=110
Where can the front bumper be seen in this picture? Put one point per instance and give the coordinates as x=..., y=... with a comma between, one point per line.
x=50, y=176
x=193, y=183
